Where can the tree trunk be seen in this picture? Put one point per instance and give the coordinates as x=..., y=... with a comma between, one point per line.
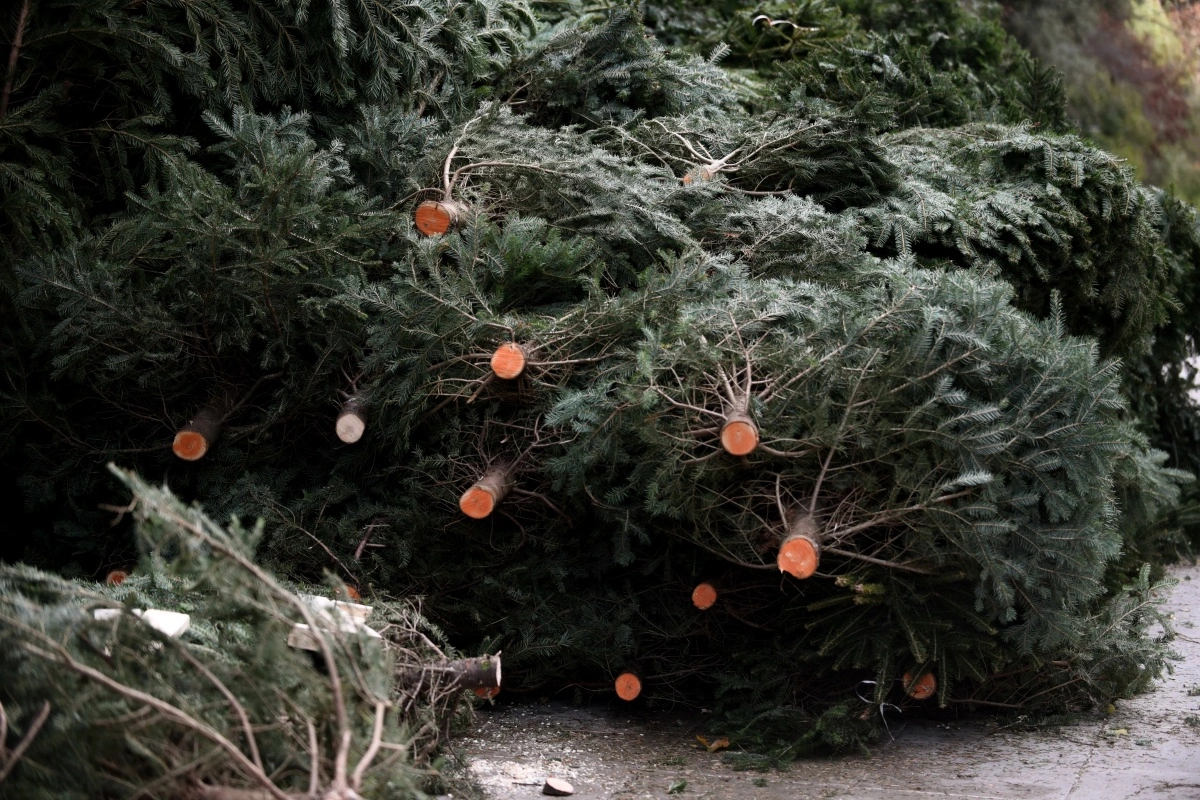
x=482, y=672
x=628, y=686
x=194, y=439
x=352, y=420
x=921, y=688
x=800, y=552
x=435, y=217
x=705, y=595
x=481, y=499
x=509, y=360
x=739, y=435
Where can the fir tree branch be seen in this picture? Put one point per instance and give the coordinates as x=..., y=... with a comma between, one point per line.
x=61, y=655
x=8, y=760
x=372, y=749
x=238, y=708
x=13, y=54
x=317, y=629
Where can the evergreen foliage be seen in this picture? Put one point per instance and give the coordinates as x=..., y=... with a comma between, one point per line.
x=103, y=91
x=228, y=704
x=1044, y=195
x=868, y=238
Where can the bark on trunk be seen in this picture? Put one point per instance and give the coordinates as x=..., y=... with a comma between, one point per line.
x=482, y=672
x=193, y=440
x=435, y=217
x=800, y=553
x=481, y=499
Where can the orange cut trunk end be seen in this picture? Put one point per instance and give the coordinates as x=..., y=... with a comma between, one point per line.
x=486, y=692
x=922, y=688
x=477, y=502
x=739, y=436
x=485, y=494
x=190, y=445
x=704, y=596
x=352, y=592
x=116, y=577
x=798, y=557
x=435, y=217
x=629, y=686
x=193, y=440
x=508, y=361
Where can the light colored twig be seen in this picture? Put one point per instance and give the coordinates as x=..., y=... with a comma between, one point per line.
x=372, y=750
x=9, y=760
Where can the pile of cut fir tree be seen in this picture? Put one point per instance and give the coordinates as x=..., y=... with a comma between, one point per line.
x=795, y=358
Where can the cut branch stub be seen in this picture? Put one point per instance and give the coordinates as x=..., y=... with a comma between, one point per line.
x=116, y=577
x=628, y=686
x=509, y=360
x=704, y=596
x=922, y=688
x=351, y=420
x=435, y=217
x=481, y=499
x=739, y=435
x=194, y=439
x=800, y=552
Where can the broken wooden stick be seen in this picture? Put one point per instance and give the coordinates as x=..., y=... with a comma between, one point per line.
x=485, y=494
x=9, y=758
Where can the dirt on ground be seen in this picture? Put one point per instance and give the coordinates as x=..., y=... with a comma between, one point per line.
x=1149, y=747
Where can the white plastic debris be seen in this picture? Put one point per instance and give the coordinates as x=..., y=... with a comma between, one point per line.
x=338, y=611
x=169, y=623
x=301, y=636
x=341, y=616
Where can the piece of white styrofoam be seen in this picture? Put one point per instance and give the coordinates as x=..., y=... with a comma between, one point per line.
x=170, y=623
x=301, y=636
x=338, y=610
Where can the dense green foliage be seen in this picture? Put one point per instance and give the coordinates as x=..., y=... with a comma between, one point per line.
x=106, y=704
x=865, y=226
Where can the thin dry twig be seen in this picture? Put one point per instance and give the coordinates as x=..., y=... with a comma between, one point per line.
x=8, y=760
